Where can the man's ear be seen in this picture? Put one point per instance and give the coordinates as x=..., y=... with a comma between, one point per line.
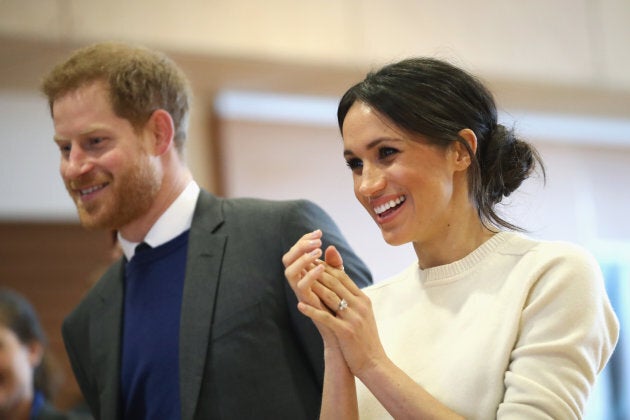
x=462, y=155
x=162, y=129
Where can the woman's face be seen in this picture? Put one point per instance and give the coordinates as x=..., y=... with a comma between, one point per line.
x=405, y=183
x=17, y=362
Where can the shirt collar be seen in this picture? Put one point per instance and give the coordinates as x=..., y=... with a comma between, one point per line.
x=175, y=220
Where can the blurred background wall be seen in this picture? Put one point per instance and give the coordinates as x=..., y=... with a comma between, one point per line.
x=266, y=77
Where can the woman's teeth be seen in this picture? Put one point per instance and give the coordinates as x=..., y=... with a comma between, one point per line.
x=390, y=204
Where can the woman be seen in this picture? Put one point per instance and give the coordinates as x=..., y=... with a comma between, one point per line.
x=487, y=323
x=24, y=378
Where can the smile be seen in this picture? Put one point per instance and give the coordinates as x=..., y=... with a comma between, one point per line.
x=389, y=205
x=86, y=191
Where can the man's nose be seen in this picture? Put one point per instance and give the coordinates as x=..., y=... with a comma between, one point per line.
x=77, y=164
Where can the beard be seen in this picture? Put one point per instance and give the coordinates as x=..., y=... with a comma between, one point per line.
x=128, y=197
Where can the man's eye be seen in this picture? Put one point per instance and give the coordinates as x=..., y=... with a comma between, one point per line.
x=64, y=149
x=354, y=164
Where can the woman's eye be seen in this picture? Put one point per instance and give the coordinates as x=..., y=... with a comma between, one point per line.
x=385, y=152
x=354, y=164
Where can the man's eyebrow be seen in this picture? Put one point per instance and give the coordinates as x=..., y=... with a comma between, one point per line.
x=84, y=133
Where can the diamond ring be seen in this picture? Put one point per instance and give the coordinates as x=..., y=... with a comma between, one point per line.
x=343, y=305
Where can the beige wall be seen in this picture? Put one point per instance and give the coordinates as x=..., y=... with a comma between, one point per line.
x=567, y=41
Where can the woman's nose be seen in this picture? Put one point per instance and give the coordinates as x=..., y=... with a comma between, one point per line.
x=372, y=181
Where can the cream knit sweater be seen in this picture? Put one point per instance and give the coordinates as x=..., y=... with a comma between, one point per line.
x=518, y=329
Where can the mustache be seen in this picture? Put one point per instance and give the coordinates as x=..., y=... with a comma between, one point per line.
x=85, y=182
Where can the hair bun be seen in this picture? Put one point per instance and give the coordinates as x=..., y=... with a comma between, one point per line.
x=508, y=162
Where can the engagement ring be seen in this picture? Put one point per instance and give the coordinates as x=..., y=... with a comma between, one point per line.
x=342, y=305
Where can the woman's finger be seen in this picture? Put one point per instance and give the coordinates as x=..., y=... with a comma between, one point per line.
x=333, y=257
x=306, y=261
x=340, y=282
x=305, y=244
x=318, y=316
x=328, y=297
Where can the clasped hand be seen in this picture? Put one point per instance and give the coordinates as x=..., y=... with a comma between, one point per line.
x=320, y=286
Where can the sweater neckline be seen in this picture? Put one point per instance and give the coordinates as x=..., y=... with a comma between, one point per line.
x=448, y=271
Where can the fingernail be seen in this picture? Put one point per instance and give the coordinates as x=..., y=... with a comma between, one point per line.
x=314, y=233
x=315, y=252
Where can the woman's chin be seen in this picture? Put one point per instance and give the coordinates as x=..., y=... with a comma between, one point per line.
x=394, y=240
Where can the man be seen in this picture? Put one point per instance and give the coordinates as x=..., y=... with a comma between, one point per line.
x=196, y=320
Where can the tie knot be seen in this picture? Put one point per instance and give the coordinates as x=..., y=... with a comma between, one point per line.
x=141, y=247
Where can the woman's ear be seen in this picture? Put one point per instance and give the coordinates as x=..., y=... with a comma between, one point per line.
x=463, y=158
x=162, y=129
x=35, y=353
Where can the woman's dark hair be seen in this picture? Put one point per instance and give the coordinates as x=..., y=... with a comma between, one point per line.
x=437, y=100
x=18, y=315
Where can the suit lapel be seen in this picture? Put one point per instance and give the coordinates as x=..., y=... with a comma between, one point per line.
x=105, y=340
x=203, y=265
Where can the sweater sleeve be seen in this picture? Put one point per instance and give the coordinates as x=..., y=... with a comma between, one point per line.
x=567, y=333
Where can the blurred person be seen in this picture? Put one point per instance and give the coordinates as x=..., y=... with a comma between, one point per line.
x=26, y=377
x=195, y=320
x=487, y=323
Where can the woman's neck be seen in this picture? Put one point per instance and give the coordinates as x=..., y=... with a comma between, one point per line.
x=455, y=242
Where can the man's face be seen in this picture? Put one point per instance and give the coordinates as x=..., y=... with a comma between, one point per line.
x=106, y=165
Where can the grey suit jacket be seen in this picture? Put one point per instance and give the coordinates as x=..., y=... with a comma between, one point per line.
x=244, y=349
